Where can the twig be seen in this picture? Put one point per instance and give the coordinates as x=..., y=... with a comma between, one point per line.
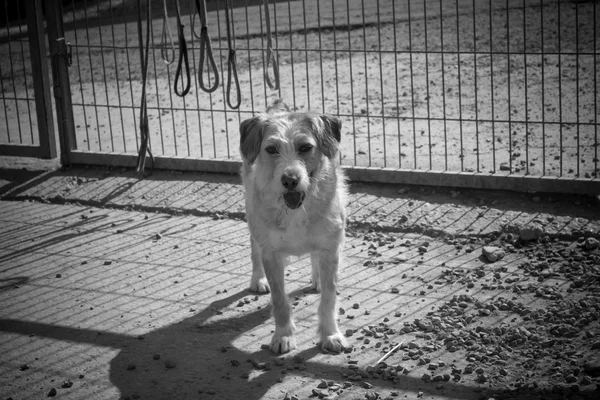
x=389, y=353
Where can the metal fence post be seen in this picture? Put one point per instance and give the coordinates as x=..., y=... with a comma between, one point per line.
x=41, y=78
x=60, y=59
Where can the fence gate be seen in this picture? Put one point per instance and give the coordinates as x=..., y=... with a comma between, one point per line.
x=496, y=94
x=26, y=125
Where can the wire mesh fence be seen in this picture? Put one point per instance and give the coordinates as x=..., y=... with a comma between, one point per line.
x=18, y=122
x=493, y=86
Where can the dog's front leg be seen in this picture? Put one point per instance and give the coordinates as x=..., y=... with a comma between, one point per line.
x=283, y=339
x=331, y=337
x=258, y=282
x=314, y=262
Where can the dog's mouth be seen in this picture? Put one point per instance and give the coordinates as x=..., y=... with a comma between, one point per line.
x=293, y=199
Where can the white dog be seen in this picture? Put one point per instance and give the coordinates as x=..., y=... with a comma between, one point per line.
x=295, y=198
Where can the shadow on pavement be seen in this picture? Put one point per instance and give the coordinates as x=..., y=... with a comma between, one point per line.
x=194, y=358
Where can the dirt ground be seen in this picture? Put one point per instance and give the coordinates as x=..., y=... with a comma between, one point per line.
x=409, y=89
x=114, y=287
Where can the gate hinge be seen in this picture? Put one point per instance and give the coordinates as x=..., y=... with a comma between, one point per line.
x=68, y=53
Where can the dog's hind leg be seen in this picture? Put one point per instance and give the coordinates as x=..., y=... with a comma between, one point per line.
x=331, y=337
x=258, y=282
x=283, y=339
x=315, y=283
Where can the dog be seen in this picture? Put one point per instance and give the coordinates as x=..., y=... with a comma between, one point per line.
x=295, y=204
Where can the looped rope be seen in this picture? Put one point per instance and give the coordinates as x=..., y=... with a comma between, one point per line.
x=271, y=55
x=231, y=69
x=231, y=64
x=166, y=35
x=144, y=129
x=206, y=50
x=183, y=59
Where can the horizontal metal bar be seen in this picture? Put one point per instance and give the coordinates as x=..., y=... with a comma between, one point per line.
x=366, y=116
x=18, y=150
x=529, y=184
x=370, y=174
x=12, y=98
x=359, y=50
x=161, y=162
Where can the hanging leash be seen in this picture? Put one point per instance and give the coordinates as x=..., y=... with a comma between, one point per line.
x=205, y=50
x=144, y=130
x=166, y=36
x=184, y=61
x=271, y=55
x=231, y=64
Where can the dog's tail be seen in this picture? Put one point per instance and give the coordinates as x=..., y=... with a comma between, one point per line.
x=278, y=106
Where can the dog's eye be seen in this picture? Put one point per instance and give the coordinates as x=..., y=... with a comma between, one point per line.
x=271, y=150
x=306, y=148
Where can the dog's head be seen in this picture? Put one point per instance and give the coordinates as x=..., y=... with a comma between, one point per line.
x=290, y=151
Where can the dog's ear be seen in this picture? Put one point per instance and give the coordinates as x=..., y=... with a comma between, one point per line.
x=331, y=135
x=278, y=107
x=251, y=131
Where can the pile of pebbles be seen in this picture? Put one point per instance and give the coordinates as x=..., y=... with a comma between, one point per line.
x=547, y=350
x=537, y=336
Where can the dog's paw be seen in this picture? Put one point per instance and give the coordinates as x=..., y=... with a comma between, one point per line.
x=260, y=286
x=335, y=343
x=315, y=287
x=282, y=343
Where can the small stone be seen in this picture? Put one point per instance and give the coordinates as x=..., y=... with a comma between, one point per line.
x=170, y=364
x=24, y=367
x=367, y=385
x=51, y=393
x=530, y=232
x=492, y=254
x=426, y=377
x=592, y=367
x=591, y=243
x=156, y=357
x=372, y=396
x=395, y=290
x=349, y=332
x=570, y=378
x=130, y=367
x=158, y=236
x=66, y=384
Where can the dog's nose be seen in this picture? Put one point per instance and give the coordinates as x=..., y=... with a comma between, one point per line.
x=289, y=181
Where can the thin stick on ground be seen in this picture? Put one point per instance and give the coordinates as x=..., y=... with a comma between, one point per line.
x=389, y=353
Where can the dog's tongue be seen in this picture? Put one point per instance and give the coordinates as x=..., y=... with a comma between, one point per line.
x=293, y=199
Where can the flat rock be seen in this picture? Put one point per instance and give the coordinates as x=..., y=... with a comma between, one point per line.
x=591, y=243
x=530, y=232
x=492, y=253
x=592, y=367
